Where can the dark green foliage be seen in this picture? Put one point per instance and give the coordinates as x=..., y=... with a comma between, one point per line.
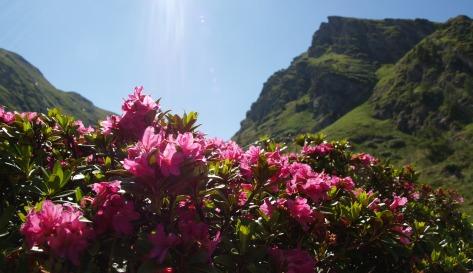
x=24, y=88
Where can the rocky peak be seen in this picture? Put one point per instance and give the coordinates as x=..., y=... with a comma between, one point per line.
x=380, y=41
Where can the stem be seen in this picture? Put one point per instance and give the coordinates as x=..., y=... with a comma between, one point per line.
x=112, y=254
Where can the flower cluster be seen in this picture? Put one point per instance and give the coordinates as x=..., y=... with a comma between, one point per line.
x=138, y=113
x=158, y=155
x=148, y=193
x=6, y=117
x=113, y=211
x=292, y=261
x=58, y=228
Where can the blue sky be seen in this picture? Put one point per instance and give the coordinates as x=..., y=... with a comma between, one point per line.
x=209, y=56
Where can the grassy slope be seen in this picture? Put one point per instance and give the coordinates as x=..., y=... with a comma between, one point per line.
x=24, y=88
x=381, y=138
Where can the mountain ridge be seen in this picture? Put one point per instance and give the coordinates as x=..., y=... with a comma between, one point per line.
x=324, y=71
x=23, y=87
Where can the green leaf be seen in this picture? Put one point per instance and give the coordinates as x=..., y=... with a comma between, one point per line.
x=244, y=235
x=435, y=255
x=78, y=193
x=108, y=162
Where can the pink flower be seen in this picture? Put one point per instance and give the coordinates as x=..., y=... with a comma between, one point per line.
x=138, y=102
x=281, y=163
x=198, y=232
x=193, y=231
x=267, y=207
x=161, y=243
x=138, y=113
x=150, y=140
x=58, y=228
x=110, y=124
x=142, y=158
x=248, y=160
x=292, y=260
x=415, y=195
x=6, y=117
x=211, y=245
x=114, y=212
x=397, y=202
x=231, y=151
x=170, y=160
x=345, y=183
x=317, y=187
x=304, y=180
x=374, y=205
x=244, y=190
x=365, y=159
x=300, y=211
x=140, y=168
x=322, y=149
x=405, y=233
x=30, y=116
x=189, y=147
x=82, y=129
x=156, y=152
x=300, y=173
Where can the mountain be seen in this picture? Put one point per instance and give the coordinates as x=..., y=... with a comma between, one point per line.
x=337, y=73
x=400, y=89
x=24, y=88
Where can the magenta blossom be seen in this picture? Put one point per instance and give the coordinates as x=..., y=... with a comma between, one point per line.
x=161, y=243
x=110, y=124
x=316, y=187
x=224, y=149
x=170, y=160
x=267, y=208
x=292, y=260
x=365, y=159
x=138, y=113
x=244, y=190
x=374, y=205
x=189, y=146
x=322, y=149
x=113, y=210
x=248, y=160
x=157, y=155
x=300, y=211
x=405, y=233
x=304, y=180
x=397, y=202
x=345, y=183
x=6, y=117
x=58, y=228
x=82, y=129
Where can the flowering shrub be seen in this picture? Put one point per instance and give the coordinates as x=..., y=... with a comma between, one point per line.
x=146, y=192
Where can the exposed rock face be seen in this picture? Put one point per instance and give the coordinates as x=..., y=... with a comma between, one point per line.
x=381, y=41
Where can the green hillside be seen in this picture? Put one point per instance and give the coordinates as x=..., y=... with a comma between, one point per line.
x=24, y=88
x=413, y=105
x=335, y=75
